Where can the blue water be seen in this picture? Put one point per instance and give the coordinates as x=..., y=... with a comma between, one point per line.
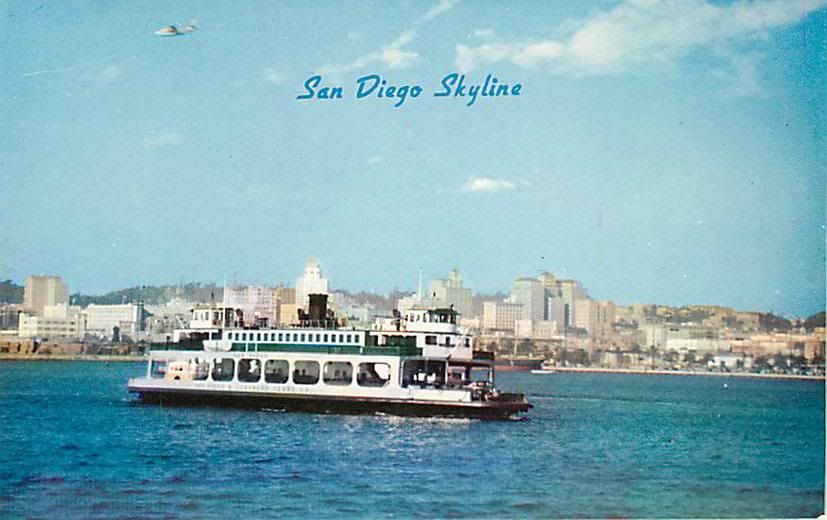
x=74, y=444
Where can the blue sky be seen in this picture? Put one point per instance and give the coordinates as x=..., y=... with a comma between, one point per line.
x=667, y=152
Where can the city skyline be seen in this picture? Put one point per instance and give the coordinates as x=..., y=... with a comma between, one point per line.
x=434, y=287
x=659, y=152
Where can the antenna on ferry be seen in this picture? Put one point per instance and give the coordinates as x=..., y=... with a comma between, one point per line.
x=419, y=288
x=224, y=292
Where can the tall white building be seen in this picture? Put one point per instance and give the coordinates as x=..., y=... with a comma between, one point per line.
x=311, y=282
x=446, y=292
x=563, y=307
x=44, y=290
x=530, y=293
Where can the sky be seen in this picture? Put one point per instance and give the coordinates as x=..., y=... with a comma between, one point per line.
x=667, y=152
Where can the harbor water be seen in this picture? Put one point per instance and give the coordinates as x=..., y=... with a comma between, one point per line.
x=75, y=444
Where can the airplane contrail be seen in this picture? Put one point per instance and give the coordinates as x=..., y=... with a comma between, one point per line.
x=64, y=69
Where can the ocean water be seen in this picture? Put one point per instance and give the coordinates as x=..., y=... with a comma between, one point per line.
x=75, y=444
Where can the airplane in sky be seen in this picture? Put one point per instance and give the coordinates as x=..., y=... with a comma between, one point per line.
x=174, y=30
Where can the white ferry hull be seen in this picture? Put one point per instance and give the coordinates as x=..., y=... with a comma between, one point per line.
x=502, y=407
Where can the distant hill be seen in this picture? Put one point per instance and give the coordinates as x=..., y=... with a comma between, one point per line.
x=153, y=294
x=10, y=292
x=816, y=320
x=768, y=321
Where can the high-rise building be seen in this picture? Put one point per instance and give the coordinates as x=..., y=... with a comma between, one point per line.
x=449, y=291
x=310, y=282
x=44, y=290
x=530, y=293
x=570, y=291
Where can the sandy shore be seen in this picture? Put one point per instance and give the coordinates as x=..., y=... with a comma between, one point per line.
x=685, y=373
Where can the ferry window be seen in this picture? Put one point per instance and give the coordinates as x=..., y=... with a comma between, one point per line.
x=430, y=340
x=467, y=342
x=223, y=369
x=349, y=338
x=423, y=372
x=295, y=337
x=333, y=338
x=159, y=368
x=480, y=374
x=302, y=337
x=338, y=373
x=324, y=338
x=318, y=337
x=280, y=336
x=249, y=370
x=306, y=372
x=276, y=371
x=244, y=337
x=456, y=375
x=200, y=369
x=373, y=374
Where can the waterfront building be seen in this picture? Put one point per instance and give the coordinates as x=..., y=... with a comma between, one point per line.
x=43, y=290
x=128, y=318
x=447, y=292
x=501, y=315
x=542, y=329
x=680, y=338
x=58, y=321
x=310, y=282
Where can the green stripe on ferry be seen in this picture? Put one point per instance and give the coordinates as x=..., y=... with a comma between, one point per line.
x=327, y=349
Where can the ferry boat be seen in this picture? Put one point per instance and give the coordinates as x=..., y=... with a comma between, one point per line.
x=420, y=363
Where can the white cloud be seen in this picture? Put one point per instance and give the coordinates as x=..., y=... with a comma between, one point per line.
x=484, y=34
x=487, y=184
x=392, y=55
x=164, y=139
x=640, y=31
x=274, y=76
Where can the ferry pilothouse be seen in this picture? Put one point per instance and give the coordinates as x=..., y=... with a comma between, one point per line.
x=419, y=363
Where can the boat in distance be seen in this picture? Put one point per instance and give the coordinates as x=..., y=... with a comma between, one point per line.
x=546, y=367
x=419, y=363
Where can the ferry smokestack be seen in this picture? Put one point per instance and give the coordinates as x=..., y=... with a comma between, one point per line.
x=318, y=307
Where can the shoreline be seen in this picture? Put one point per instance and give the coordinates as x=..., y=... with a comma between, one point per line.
x=71, y=357
x=570, y=370
x=696, y=373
